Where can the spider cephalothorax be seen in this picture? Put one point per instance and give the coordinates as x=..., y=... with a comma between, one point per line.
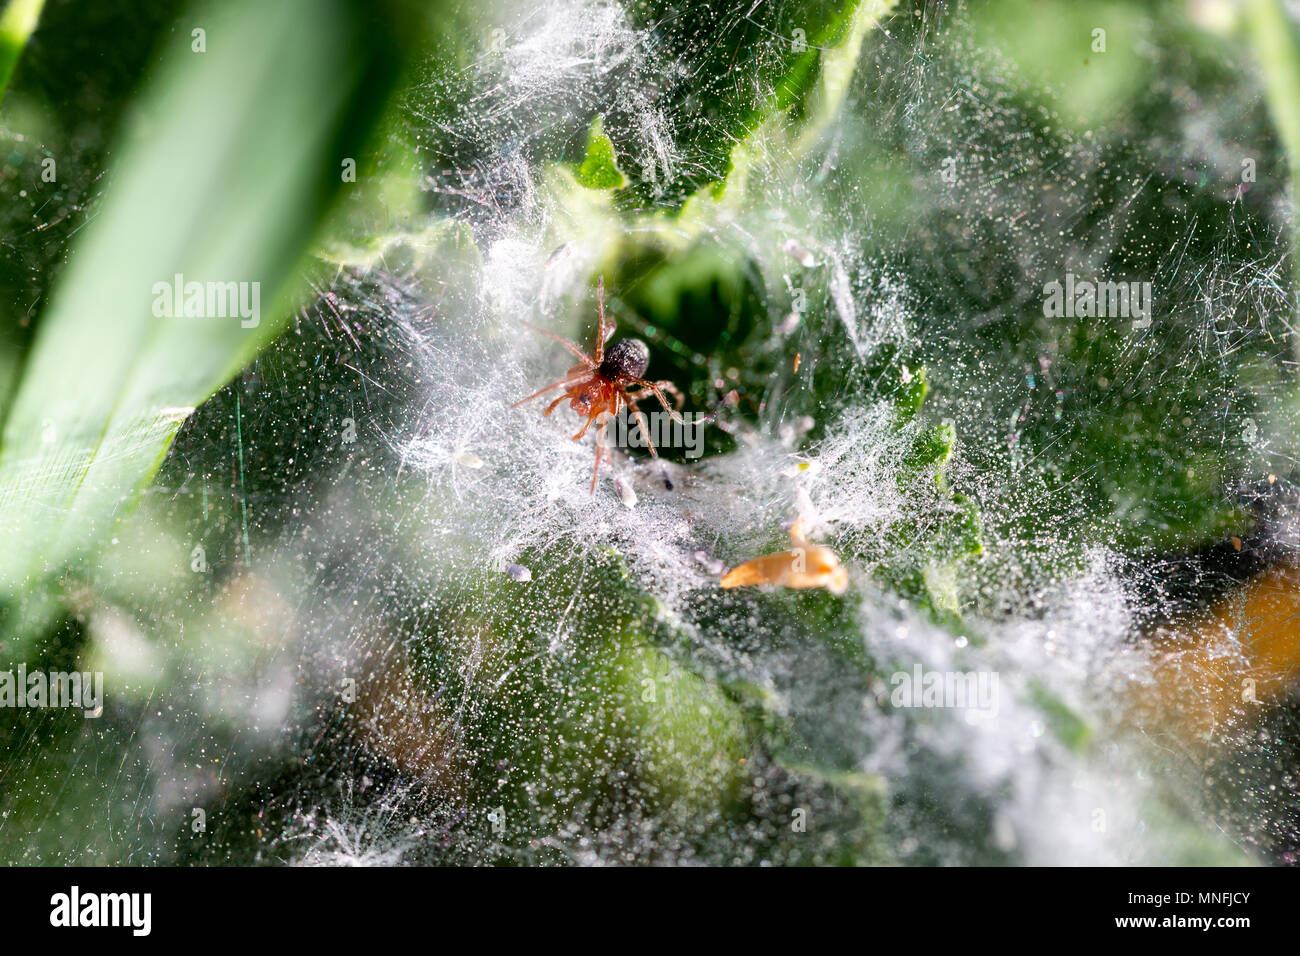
x=598, y=388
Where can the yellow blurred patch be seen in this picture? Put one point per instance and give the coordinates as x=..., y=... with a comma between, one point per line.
x=804, y=566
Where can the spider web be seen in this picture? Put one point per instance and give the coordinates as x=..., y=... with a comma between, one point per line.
x=458, y=654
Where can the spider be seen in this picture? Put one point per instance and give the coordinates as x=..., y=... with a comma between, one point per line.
x=598, y=388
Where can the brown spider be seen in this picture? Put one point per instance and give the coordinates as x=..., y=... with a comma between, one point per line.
x=598, y=388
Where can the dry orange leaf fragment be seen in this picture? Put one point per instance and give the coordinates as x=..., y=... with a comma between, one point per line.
x=803, y=566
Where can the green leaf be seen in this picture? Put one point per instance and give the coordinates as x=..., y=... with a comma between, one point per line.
x=16, y=26
x=1083, y=58
x=1277, y=46
x=1276, y=41
x=227, y=167
x=797, y=60
x=1063, y=722
x=599, y=170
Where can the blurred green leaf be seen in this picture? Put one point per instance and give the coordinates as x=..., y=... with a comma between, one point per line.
x=223, y=178
x=1083, y=54
x=1063, y=722
x=1274, y=36
x=16, y=25
x=1276, y=41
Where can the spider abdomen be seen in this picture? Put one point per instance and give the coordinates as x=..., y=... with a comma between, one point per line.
x=626, y=358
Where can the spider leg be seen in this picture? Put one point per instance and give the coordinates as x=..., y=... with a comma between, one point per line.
x=642, y=424
x=600, y=448
x=551, y=407
x=606, y=328
x=678, y=398
x=657, y=389
x=581, y=355
x=542, y=391
x=595, y=413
